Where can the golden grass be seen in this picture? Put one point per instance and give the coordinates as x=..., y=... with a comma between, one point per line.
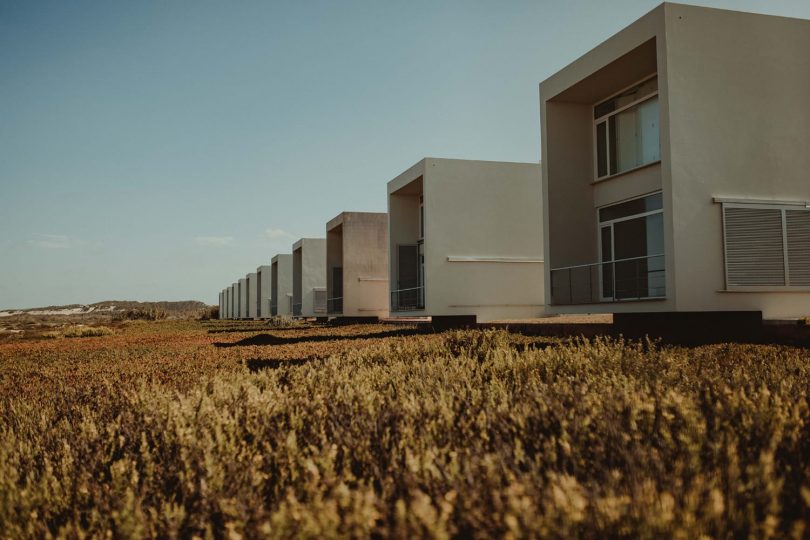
x=79, y=331
x=163, y=430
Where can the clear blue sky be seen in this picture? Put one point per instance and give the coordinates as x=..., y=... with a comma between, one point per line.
x=162, y=150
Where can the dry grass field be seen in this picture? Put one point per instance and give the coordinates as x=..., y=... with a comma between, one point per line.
x=225, y=430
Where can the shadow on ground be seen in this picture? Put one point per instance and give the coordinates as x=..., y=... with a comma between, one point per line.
x=270, y=339
x=260, y=364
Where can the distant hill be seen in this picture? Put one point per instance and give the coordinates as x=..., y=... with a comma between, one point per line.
x=180, y=310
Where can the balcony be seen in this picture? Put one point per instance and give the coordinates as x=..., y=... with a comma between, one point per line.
x=334, y=305
x=274, y=309
x=296, y=309
x=636, y=278
x=408, y=299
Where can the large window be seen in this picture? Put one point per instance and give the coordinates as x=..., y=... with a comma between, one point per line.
x=627, y=130
x=766, y=245
x=631, y=241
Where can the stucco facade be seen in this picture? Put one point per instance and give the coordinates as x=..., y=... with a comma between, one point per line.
x=357, y=265
x=264, y=287
x=243, y=298
x=465, y=239
x=309, y=277
x=252, y=295
x=723, y=94
x=281, y=285
x=235, y=301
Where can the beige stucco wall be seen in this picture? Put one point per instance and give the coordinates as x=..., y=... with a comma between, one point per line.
x=252, y=291
x=264, y=282
x=334, y=256
x=281, y=283
x=235, y=301
x=243, y=299
x=739, y=128
x=309, y=273
x=359, y=242
x=483, y=238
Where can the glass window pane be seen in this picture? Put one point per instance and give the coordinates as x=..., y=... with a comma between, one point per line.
x=607, y=269
x=638, y=245
x=634, y=137
x=601, y=149
x=604, y=108
x=628, y=96
x=656, y=275
x=626, y=140
x=631, y=208
x=612, y=137
x=649, y=149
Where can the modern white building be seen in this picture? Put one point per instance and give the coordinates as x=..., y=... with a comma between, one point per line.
x=243, y=299
x=309, y=277
x=221, y=308
x=675, y=168
x=264, y=287
x=252, y=295
x=465, y=240
x=281, y=285
x=357, y=265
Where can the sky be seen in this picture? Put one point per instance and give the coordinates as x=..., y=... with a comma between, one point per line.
x=157, y=150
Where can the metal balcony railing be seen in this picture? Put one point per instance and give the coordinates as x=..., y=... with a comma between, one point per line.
x=296, y=309
x=334, y=305
x=635, y=278
x=408, y=299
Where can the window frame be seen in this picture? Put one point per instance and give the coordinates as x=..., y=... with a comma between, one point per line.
x=609, y=223
x=606, y=119
x=783, y=207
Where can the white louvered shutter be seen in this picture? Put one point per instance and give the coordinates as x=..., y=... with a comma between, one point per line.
x=798, y=241
x=755, y=254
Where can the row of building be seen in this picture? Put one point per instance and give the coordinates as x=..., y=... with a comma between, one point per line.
x=675, y=178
